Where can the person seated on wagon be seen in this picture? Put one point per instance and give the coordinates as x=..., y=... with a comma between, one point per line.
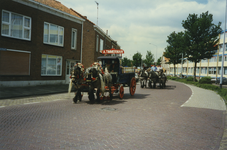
x=114, y=67
x=107, y=65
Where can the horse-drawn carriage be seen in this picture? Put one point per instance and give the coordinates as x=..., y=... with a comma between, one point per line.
x=152, y=77
x=94, y=80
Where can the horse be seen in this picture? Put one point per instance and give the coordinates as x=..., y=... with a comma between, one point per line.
x=143, y=76
x=107, y=78
x=155, y=77
x=94, y=79
x=77, y=78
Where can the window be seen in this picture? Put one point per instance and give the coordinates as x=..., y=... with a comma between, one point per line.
x=97, y=43
x=221, y=47
x=53, y=34
x=16, y=25
x=204, y=60
x=213, y=59
x=51, y=65
x=220, y=59
x=225, y=70
x=212, y=70
x=74, y=39
x=101, y=44
x=204, y=70
x=197, y=70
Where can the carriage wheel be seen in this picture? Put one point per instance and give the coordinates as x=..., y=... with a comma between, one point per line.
x=121, y=92
x=132, y=86
x=91, y=95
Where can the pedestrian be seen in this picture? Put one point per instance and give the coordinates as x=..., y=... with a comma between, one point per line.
x=154, y=68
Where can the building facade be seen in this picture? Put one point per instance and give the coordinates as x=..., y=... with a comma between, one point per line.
x=208, y=67
x=41, y=40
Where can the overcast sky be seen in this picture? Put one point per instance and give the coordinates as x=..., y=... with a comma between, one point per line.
x=143, y=25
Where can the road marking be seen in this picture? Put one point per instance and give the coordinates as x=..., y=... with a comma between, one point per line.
x=31, y=103
x=57, y=99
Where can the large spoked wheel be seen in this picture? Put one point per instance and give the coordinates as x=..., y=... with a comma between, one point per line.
x=121, y=92
x=132, y=88
x=91, y=95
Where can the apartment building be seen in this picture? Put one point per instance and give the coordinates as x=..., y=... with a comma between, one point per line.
x=208, y=67
x=41, y=40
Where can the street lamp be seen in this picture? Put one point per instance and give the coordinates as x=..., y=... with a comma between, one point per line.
x=156, y=51
x=222, y=64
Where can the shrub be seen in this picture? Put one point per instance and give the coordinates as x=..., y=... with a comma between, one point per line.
x=205, y=80
x=191, y=79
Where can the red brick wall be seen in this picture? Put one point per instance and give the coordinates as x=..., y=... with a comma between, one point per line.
x=36, y=45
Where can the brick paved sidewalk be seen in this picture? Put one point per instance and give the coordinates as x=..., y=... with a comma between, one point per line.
x=15, y=92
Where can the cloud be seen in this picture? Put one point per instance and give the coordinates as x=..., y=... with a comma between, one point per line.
x=135, y=24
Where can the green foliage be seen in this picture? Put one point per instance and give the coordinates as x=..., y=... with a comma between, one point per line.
x=137, y=59
x=175, y=48
x=201, y=37
x=205, y=80
x=149, y=59
x=190, y=78
x=159, y=61
x=126, y=62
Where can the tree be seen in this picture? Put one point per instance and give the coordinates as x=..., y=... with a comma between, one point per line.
x=201, y=37
x=126, y=62
x=137, y=58
x=175, y=48
x=149, y=59
x=159, y=61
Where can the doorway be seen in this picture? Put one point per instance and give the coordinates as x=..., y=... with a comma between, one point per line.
x=69, y=67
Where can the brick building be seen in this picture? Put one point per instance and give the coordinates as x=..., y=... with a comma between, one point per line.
x=94, y=41
x=42, y=39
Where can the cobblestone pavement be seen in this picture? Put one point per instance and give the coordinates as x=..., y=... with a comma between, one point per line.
x=151, y=119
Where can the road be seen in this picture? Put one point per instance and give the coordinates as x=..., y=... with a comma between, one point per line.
x=151, y=119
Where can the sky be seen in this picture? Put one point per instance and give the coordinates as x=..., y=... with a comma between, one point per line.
x=143, y=25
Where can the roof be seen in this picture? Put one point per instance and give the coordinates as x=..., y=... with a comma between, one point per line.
x=58, y=5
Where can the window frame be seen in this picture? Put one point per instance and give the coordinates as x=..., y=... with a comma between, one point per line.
x=46, y=62
x=58, y=35
x=75, y=39
x=10, y=26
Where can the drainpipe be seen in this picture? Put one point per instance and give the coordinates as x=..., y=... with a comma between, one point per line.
x=81, y=42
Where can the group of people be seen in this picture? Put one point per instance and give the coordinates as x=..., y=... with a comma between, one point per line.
x=154, y=68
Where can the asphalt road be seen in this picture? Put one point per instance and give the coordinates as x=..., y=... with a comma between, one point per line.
x=151, y=119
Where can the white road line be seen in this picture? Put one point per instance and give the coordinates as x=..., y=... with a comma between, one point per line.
x=31, y=103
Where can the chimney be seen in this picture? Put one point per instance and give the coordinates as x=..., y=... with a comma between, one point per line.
x=106, y=32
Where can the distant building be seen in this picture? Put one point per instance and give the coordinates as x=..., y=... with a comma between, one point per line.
x=208, y=67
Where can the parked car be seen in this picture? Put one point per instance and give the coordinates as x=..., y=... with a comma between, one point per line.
x=224, y=80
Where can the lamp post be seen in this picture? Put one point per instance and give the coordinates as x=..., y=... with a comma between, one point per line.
x=222, y=64
x=156, y=50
